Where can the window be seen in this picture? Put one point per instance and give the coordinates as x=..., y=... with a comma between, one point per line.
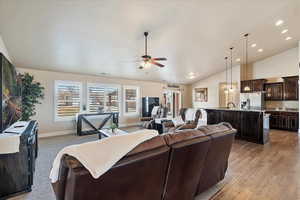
x=131, y=100
x=103, y=98
x=68, y=99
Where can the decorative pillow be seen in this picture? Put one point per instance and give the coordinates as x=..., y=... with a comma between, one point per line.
x=177, y=121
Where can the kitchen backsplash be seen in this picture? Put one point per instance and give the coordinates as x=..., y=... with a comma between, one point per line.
x=282, y=104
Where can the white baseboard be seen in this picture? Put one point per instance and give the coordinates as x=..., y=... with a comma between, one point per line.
x=70, y=132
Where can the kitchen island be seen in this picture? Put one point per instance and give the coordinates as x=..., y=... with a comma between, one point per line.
x=252, y=125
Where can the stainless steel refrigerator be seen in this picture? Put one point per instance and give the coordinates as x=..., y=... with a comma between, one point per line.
x=255, y=100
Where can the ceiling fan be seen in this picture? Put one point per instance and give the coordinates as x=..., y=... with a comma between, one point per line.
x=147, y=60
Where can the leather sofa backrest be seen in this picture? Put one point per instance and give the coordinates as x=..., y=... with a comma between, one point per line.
x=216, y=162
x=139, y=175
x=188, y=153
x=174, y=166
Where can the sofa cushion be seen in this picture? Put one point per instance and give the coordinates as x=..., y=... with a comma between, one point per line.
x=151, y=144
x=182, y=136
x=216, y=128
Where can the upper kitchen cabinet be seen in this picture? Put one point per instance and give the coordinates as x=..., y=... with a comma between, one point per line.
x=246, y=86
x=291, y=88
x=274, y=91
x=256, y=85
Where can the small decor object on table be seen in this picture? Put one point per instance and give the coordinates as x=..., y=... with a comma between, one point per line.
x=201, y=94
x=113, y=127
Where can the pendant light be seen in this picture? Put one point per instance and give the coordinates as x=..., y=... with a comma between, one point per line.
x=226, y=87
x=231, y=88
x=246, y=88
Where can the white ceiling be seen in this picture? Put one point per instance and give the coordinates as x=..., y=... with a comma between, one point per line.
x=106, y=36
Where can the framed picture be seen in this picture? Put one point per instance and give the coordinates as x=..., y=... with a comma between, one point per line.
x=201, y=94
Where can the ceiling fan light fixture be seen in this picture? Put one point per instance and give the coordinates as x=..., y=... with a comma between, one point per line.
x=146, y=65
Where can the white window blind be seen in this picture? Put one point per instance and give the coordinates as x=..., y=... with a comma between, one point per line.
x=131, y=100
x=103, y=98
x=68, y=99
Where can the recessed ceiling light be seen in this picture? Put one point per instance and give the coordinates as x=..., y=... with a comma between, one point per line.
x=191, y=77
x=260, y=50
x=238, y=60
x=191, y=73
x=253, y=45
x=284, y=31
x=288, y=38
x=279, y=22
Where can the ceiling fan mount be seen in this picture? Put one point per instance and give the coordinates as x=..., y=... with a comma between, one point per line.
x=147, y=59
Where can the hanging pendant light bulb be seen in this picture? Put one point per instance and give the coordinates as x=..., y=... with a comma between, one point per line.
x=226, y=87
x=231, y=85
x=246, y=88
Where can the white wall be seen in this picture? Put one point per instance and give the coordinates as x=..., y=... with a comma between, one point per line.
x=45, y=111
x=3, y=49
x=212, y=83
x=280, y=65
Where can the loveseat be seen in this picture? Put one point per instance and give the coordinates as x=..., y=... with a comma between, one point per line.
x=175, y=166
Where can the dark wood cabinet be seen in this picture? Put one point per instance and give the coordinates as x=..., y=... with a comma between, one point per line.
x=232, y=117
x=246, y=86
x=252, y=126
x=274, y=91
x=291, y=88
x=256, y=85
x=17, y=170
x=284, y=120
x=249, y=124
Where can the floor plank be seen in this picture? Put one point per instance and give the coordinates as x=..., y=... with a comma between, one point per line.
x=264, y=172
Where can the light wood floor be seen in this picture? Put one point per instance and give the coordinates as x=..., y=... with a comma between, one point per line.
x=264, y=172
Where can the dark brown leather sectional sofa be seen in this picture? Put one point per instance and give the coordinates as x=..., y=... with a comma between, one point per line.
x=175, y=166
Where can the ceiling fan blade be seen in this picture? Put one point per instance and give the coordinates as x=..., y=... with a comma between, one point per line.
x=159, y=58
x=156, y=63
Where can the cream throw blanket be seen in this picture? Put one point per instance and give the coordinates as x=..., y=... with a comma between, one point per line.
x=99, y=156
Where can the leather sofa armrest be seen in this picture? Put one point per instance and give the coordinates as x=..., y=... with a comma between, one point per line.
x=60, y=184
x=72, y=162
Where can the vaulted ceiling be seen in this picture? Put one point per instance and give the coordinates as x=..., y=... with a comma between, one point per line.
x=106, y=36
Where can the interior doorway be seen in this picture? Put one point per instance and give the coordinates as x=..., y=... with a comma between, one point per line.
x=172, y=100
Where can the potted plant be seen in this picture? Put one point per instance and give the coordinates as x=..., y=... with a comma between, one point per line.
x=32, y=93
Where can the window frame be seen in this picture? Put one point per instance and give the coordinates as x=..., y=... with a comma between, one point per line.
x=137, y=88
x=104, y=86
x=65, y=82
